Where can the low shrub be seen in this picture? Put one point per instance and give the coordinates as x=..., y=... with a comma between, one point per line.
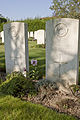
x=40, y=46
x=1, y=43
x=1, y=80
x=34, y=73
x=17, y=85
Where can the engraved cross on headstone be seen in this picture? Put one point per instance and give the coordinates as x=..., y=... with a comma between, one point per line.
x=60, y=62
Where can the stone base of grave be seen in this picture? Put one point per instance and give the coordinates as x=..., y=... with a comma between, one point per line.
x=59, y=100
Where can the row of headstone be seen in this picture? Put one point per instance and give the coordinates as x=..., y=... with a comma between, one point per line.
x=38, y=35
x=62, y=49
x=2, y=36
x=30, y=34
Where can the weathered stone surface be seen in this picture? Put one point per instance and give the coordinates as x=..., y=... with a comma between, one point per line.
x=40, y=36
x=62, y=38
x=16, y=47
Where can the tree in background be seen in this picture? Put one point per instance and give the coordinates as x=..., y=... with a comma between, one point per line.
x=66, y=8
x=35, y=24
x=2, y=22
x=2, y=19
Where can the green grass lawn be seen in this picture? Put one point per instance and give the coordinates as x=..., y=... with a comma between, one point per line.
x=14, y=109
x=0, y=40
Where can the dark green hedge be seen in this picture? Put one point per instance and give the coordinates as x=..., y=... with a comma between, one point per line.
x=3, y=20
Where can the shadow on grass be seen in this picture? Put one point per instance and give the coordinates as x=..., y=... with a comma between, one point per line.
x=2, y=62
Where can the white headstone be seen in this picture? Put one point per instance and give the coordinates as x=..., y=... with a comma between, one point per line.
x=62, y=38
x=16, y=47
x=35, y=35
x=31, y=34
x=2, y=36
x=28, y=34
x=40, y=37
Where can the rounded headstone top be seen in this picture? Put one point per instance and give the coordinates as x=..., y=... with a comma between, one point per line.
x=8, y=25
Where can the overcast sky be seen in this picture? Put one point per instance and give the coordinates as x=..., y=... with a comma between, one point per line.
x=22, y=9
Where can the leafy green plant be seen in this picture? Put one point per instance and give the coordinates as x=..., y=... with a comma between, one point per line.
x=17, y=85
x=75, y=89
x=34, y=73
